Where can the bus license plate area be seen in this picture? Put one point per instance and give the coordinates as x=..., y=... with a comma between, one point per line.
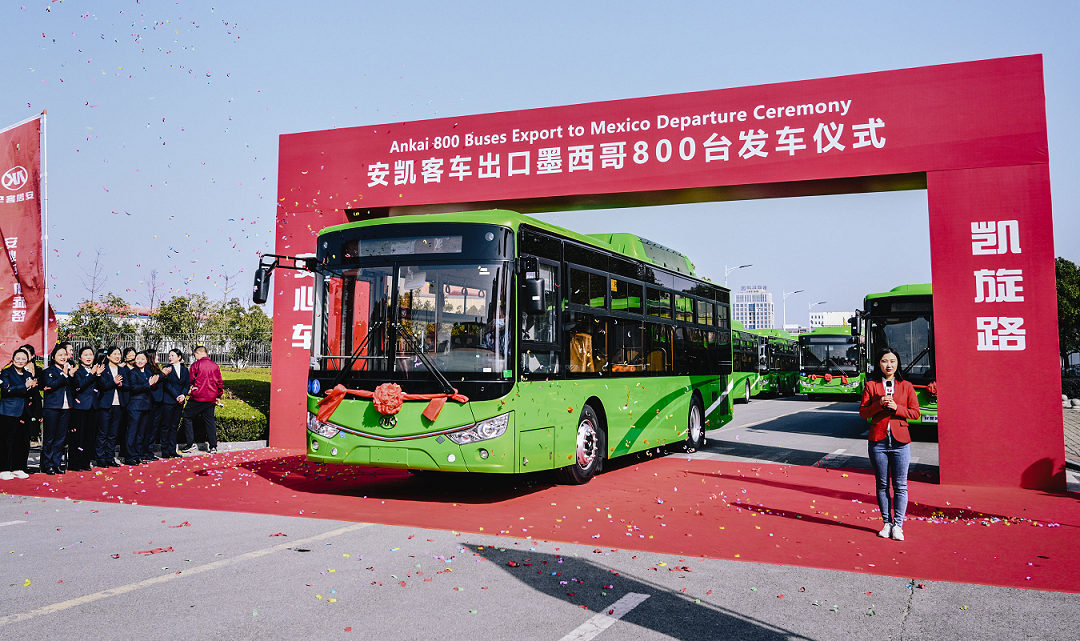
x=929, y=418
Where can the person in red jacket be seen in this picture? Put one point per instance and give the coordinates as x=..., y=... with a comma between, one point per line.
x=887, y=401
x=206, y=389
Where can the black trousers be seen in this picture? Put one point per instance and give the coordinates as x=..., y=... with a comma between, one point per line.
x=82, y=439
x=108, y=421
x=14, y=442
x=153, y=429
x=206, y=410
x=171, y=414
x=131, y=447
x=54, y=433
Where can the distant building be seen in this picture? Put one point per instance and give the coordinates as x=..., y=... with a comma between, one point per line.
x=796, y=329
x=754, y=307
x=829, y=319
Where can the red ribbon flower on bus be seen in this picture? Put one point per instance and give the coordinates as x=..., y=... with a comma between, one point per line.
x=387, y=399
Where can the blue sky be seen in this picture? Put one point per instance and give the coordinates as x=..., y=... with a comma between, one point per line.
x=164, y=116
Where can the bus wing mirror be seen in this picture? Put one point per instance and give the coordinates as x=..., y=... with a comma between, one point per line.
x=854, y=323
x=534, y=302
x=526, y=264
x=261, y=290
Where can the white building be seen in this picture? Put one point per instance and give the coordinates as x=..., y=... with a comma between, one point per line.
x=754, y=307
x=829, y=319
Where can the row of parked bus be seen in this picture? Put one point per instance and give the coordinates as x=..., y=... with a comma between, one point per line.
x=494, y=342
x=831, y=363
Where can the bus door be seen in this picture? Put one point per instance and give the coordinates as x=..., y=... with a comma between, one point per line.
x=540, y=349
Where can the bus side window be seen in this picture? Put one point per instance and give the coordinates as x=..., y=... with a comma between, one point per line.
x=660, y=344
x=541, y=327
x=588, y=346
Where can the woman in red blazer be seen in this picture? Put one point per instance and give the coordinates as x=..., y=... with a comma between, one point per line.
x=887, y=401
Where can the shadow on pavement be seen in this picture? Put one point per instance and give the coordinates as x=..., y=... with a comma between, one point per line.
x=580, y=582
x=299, y=475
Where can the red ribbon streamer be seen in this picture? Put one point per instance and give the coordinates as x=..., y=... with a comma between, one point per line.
x=828, y=378
x=932, y=388
x=333, y=399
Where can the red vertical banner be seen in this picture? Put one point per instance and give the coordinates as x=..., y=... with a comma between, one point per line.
x=22, y=281
x=995, y=327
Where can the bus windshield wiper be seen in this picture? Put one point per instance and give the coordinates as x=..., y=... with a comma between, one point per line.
x=347, y=366
x=918, y=358
x=414, y=344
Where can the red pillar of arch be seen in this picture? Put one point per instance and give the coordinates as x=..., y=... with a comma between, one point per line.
x=973, y=134
x=1002, y=406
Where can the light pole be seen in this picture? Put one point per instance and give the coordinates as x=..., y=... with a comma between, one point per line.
x=811, y=306
x=728, y=270
x=786, y=294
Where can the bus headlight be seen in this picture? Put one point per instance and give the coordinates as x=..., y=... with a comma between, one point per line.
x=482, y=431
x=316, y=426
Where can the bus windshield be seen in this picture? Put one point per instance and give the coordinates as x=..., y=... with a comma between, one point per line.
x=839, y=355
x=455, y=313
x=910, y=336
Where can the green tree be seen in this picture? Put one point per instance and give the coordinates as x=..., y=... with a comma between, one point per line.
x=100, y=322
x=1068, y=291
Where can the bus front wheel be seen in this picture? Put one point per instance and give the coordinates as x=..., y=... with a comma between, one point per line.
x=695, y=427
x=589, y=450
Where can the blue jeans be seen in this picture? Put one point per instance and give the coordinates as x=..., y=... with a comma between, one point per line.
x=890, y=461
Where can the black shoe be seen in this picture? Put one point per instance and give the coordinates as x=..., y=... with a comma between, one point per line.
x=131, y=461
x=49, y=471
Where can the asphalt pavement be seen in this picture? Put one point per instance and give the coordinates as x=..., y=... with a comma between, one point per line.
x=93, y=570
x=79, y=569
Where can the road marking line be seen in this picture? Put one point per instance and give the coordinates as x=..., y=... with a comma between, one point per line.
x=124, y=589
x=603, y=621
x=11, y=523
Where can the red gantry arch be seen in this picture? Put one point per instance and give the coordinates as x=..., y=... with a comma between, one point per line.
x=972, y=134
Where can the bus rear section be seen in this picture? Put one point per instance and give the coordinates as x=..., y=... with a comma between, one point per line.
x=746, y=373
x=778, y=362
x=492, y=342
x=903, y=318
x=831, y=364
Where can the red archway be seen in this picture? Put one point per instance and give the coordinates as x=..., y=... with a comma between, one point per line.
x=973, y=134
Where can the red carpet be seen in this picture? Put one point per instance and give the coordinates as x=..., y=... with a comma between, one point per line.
x=786, y=515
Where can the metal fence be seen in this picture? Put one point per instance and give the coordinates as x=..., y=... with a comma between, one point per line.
x=223, y=350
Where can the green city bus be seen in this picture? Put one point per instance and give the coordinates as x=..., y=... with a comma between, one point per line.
x=563, y=349
x=779, y=362
x=745, y=362
x=831, y=364
x=903, y=318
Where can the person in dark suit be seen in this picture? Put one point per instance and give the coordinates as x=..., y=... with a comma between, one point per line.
x=109, y=406
x=138, y=381
x=82, y=437
x=153, y=418
x=175, y=388
x=34, y=365
x=17, y=384
x=56, y=410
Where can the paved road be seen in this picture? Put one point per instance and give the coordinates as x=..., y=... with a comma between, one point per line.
x=79, y=570
x=800, y=432
x=71, y=570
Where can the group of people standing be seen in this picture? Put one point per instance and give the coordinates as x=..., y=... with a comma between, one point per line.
x=89, y=402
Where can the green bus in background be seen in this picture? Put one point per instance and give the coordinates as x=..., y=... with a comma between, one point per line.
x=778, y=362
x=745, y=363
x=541, y=348
x=831, y=364
x=903, y=318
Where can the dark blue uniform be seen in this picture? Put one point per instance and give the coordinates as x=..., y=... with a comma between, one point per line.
x=57, y=418
x=14, y=419
x=82, y=437
x=137, y=385
x=176, y=383
x=109, y=407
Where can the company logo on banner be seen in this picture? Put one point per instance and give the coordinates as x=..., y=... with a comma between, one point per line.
x=14, y=178
x=22, y=283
